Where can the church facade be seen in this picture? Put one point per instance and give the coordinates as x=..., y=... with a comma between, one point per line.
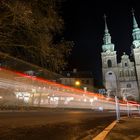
x=121, y=79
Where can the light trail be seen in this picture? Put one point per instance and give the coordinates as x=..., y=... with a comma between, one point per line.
x=20, y=88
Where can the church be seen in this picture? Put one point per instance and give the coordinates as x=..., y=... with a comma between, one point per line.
x=121, y=79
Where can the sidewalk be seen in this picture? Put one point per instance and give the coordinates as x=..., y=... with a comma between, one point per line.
x=125, y=129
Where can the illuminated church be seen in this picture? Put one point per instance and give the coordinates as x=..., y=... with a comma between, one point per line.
x=121, y=79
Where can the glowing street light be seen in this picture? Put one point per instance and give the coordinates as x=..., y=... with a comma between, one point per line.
x=77, y=83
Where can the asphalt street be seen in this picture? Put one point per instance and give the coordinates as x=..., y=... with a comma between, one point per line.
x=53, y=124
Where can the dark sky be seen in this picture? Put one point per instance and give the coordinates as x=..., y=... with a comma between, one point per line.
x=84, y=25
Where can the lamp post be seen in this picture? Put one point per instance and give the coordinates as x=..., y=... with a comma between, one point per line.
x=117, y=109
x=125, y=99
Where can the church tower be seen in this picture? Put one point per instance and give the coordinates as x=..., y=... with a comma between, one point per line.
x=109, y=63
x=136, y=49
x=121, y=79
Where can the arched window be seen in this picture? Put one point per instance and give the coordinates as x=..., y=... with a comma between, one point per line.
x=109, y=63
x=125, y=64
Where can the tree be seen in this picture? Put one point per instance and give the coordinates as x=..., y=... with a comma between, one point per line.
x=32, y=30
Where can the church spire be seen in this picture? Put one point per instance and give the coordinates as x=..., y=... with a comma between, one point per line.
x=135, y=25
x=107, y=46
x=107, y=37
x=135, y=32
x=106, y=28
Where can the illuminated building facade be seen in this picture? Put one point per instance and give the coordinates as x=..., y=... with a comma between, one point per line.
x=121, y=79
x=78, y=79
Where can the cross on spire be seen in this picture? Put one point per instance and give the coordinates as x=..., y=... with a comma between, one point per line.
x=106, y=28
x=105, y=16
x=132, y=11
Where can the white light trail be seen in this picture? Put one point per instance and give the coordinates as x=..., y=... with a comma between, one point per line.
x=40, y=92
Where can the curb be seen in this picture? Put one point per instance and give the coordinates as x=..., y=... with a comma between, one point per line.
x=103, y=134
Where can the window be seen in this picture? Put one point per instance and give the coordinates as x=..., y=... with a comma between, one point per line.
x=120, y=73
x=126, y=73
x=125, y=64
x=87, y=81
x=128, y=85
x=132, y=73
x=110, y=73
x=65, y=81
x=68, y=74
x=109, y=63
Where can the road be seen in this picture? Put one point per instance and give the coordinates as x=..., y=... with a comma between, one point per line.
x=53, y=124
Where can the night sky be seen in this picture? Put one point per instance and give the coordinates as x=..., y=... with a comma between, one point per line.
x=84, y=24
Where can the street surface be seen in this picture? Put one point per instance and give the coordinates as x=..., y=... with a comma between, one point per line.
x=53, y=124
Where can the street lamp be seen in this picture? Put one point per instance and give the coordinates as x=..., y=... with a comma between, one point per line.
x=128, y=109
x=77, y=83
x=117, y=109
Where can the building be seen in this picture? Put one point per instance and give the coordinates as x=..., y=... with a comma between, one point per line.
x=121, y=79
x=78, y=79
